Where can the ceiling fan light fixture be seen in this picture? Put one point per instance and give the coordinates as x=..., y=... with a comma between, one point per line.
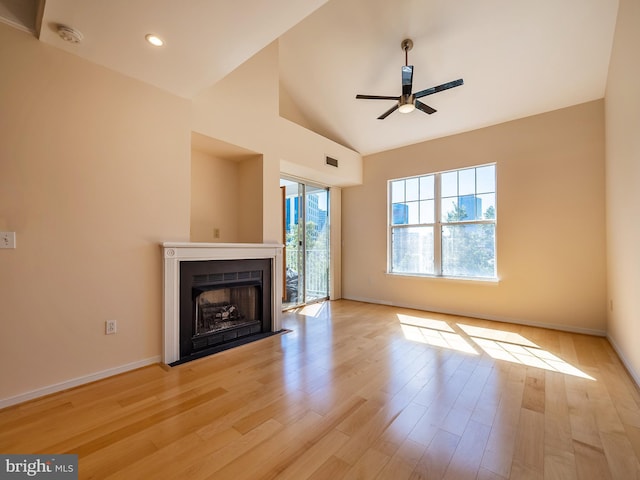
x=154, y=40
x=406, y=108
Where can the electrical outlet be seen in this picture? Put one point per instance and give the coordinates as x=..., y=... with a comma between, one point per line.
x=7, y=239
x=110, y=327
x=216, y=233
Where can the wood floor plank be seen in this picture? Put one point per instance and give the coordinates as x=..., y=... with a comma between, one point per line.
x=559, y=458
x=436, y=458
x=529, y=446
x=484, y=474
x=287, y=447
x=312, y=459
x=403, y=462
x=591, y=462
x=332, y=468
x=533, y=397
x=398, y=430
x=189, y=449
x=581, y=413
x=620, y=455
x=367, y=466
x=559, y=465
x=633, y=434
x=466, y=460
x=349, y=393
x=498, y=454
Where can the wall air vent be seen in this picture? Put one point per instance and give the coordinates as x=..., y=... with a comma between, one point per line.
x=331, y=161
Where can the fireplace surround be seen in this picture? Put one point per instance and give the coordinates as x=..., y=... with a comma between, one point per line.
x=223, y=278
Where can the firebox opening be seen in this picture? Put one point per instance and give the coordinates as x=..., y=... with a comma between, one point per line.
x=223, y=303
x=223, y=314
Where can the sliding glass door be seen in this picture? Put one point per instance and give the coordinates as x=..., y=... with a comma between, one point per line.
x=306, y=226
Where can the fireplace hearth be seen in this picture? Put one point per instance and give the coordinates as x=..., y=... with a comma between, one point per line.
x=218, y=296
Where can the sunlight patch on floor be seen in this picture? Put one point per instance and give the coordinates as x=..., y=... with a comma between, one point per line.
x=312, y=310
x=525, y=355
x=424, y=322
x=498, y=344
x=498, y=335
x=433, y=332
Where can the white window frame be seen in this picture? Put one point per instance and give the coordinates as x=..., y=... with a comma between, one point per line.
x=438, y=225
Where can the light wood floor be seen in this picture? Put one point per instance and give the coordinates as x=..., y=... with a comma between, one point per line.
x=356, y=391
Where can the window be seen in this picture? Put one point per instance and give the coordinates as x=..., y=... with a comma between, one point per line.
x=444, y=224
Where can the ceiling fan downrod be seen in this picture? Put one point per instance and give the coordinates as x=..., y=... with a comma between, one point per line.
x=407, y=44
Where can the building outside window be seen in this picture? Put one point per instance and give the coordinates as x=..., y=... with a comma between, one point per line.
x=444, y=224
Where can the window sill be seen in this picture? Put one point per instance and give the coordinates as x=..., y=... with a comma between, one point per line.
x=486, y=280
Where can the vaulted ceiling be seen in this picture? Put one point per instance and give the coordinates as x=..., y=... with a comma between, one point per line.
x=517, y=58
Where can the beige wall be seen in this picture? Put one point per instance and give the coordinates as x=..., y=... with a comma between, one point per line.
x=226, y=195
x=550, y=233
x=249, y=200
x=214, y=186
x=623, y=178
x=94, y=173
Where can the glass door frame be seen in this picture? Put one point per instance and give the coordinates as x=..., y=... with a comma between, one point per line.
x=303, y=262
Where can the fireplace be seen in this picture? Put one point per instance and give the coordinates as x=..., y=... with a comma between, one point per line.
x=222, y=303
x=217, y=296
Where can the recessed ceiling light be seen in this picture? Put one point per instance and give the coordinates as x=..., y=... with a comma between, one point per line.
x=154, y=40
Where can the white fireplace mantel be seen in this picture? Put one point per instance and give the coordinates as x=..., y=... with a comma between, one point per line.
x=174, y=253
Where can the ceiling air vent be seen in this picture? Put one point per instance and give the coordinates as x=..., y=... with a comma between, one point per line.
x=331, y=161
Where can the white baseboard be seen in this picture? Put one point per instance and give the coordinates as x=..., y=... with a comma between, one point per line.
x=74, y=382
x=551, y=326
x=625, y=362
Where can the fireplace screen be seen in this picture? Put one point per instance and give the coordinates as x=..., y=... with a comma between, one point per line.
x=224, y=308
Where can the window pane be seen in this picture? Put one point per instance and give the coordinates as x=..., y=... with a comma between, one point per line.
x=427, y=214
x=397, y=191
x=399, y=214
x=413, y=213
x=426, y=187
x=412, y=189
x=451, y=211
x=412, y=250
x=470, y=207
x=468, y=250
x=486, y=179
x=449, y=185
x=467, y=181
x=488, y=204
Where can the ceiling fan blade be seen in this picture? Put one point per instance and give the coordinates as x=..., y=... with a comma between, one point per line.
x=439, y=88
x=425, y=108
x=407, y=79
x=376, y=97
x=388, y=112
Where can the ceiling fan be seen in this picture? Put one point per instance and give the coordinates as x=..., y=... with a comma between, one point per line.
x=407, y=102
